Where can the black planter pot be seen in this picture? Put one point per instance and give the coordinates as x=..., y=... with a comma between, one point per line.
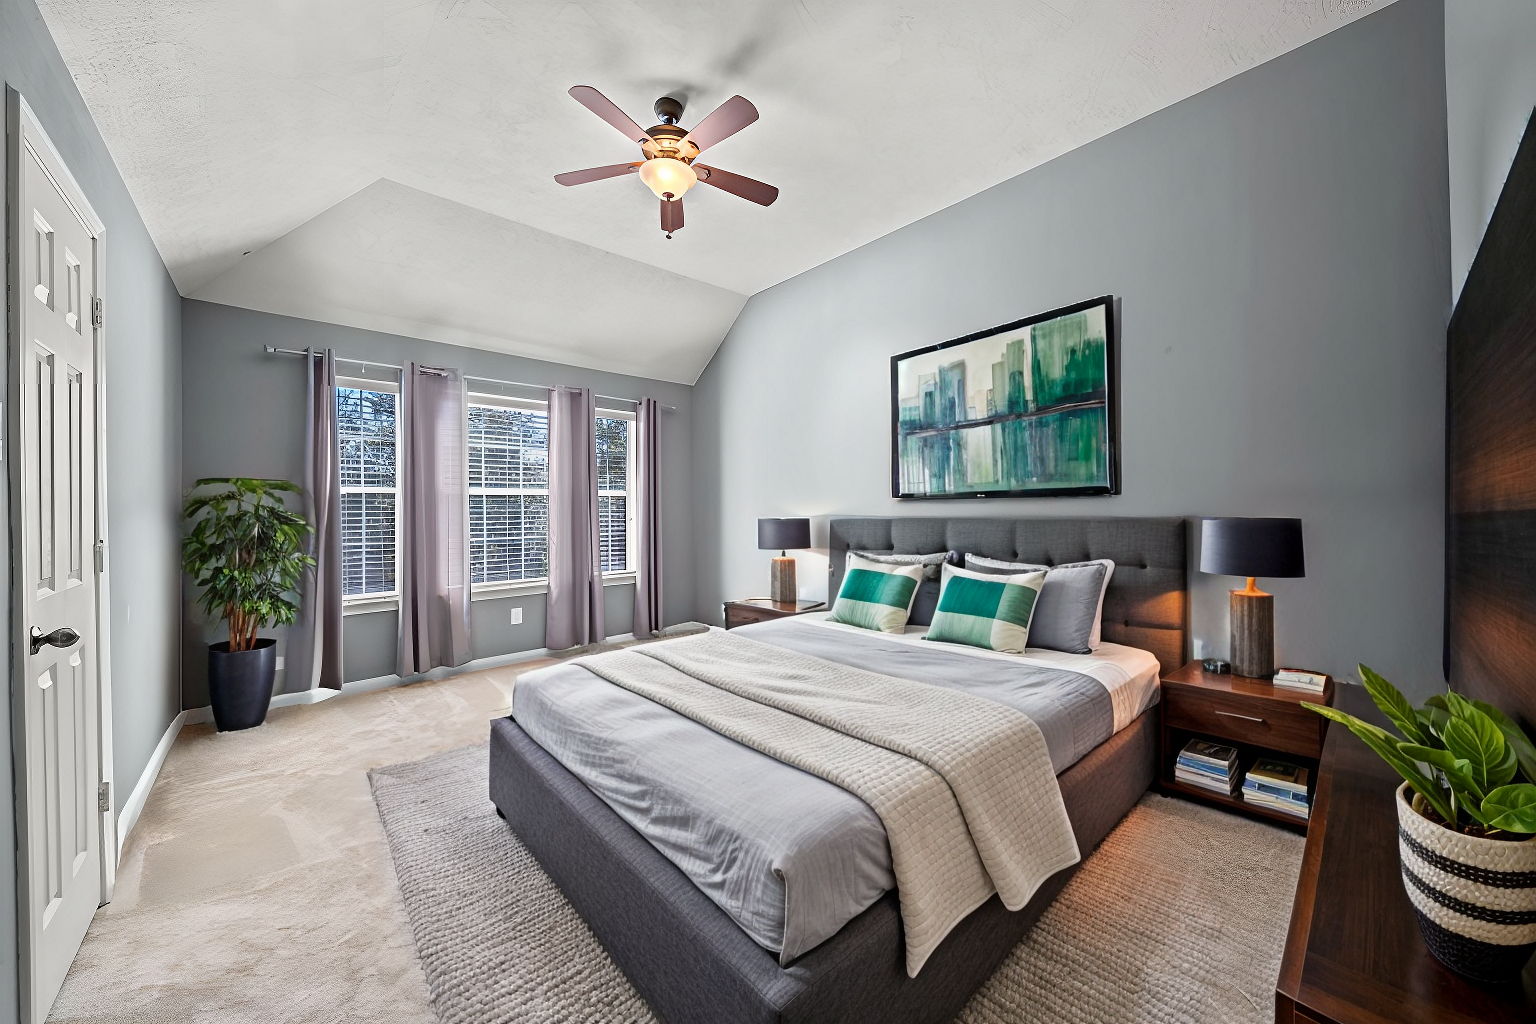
x=240, y=683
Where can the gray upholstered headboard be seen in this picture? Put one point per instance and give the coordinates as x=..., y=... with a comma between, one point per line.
x=1147, y=603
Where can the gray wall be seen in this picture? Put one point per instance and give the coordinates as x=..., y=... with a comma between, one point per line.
x=143, y=436
x=1279, y=245
x=1490, y=89
x=249, y=421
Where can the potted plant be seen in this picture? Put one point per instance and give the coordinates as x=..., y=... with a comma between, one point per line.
x=245, y=549
x=1466, y=813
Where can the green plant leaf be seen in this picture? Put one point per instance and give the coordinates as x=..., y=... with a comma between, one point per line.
x=1392, y=704
x=1387, y=747
x=1472, y=736
x=1512, y=808
x=1456, y=770
x=1519, y=742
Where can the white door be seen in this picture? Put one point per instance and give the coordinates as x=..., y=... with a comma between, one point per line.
x=60, y=840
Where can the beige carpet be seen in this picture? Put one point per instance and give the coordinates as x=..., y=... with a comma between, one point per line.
x=1178, y=918
x=258, y=887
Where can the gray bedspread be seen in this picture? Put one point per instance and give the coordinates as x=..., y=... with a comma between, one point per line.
x=790, y=857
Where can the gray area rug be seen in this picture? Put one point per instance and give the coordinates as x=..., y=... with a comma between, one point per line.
x=1178, y=918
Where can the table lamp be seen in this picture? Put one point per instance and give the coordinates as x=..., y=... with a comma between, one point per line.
x=781, y=535
x=1252, y=548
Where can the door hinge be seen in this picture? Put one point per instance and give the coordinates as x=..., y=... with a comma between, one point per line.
x=104, y=796
x=100, y=550
x=96, y=312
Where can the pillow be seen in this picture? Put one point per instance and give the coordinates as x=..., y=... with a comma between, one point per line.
x=1070, y=617
x=929, y=562
x=928, y=590
x=987, y=610
x=876, y=595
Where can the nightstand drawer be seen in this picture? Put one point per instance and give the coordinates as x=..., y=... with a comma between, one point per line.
x=1274, y=725
x=742, y=615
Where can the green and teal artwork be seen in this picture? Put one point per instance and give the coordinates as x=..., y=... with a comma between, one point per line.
x=1027, y=408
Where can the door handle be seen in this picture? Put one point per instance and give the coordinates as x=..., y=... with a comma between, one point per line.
x=61, y=637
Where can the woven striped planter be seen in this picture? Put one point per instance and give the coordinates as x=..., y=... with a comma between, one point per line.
x=1475, y=898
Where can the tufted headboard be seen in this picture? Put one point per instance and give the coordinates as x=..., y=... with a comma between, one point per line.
x=1147, y=603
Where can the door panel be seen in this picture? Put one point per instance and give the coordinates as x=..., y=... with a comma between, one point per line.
x=61, y=841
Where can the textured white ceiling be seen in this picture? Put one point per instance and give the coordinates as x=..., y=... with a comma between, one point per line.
x=235, y=122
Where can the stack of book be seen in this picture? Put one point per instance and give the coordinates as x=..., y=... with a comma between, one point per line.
x=1301, y=679
x=1209, y=766
x=1278, y=785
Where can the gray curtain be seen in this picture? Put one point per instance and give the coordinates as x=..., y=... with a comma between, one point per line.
x=575, y=602
x=314, y=642
x=648, y=516
x=434, y=521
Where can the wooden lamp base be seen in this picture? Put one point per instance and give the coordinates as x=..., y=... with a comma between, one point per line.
x=782, y=585
x=1253, y=632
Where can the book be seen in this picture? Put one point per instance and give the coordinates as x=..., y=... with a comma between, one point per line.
x=1203, y=769
x=1301, y=679
x=1293, y=684
x=1212, y=753
x=1281, y=774
x=1295, y=810
x=1200, y=781
x=1274, y=792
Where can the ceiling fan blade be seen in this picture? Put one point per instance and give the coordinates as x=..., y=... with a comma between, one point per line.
x=727, y=119
x=595, y=173
x=606, y=109
x=737, y=184
x=671, y=215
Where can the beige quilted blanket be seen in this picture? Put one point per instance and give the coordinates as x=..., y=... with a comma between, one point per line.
x=962, y=784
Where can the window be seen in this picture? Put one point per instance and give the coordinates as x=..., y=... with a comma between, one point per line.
x=367, y=434
x=508, y=491
x=508, y=441
x=613, y=432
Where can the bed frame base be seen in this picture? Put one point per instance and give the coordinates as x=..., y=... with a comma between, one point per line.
x=691, y=962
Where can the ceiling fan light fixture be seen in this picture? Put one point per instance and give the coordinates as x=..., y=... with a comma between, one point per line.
x=668, y=177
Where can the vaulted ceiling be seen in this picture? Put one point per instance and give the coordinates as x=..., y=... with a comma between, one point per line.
x=388, y=163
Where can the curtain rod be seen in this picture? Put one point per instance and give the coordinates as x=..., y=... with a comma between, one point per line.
x=273, y=350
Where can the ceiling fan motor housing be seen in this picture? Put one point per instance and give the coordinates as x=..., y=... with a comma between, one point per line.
x=669, y=110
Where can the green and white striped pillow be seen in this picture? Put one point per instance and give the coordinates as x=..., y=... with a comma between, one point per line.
x=876, y=595
x=985, y=610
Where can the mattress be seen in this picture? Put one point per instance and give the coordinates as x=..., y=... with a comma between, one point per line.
x=790, y=857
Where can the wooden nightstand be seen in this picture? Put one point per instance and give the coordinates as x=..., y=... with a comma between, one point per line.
x=1253, y=715
x=760, y=609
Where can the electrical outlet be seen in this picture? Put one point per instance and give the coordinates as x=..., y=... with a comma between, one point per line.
x=279, y=661
x=517, y=616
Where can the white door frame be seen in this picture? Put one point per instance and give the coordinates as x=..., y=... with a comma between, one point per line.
x=24, y=130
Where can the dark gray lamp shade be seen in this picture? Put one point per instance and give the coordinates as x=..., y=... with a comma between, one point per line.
x=783, y=534
x=1252, y=547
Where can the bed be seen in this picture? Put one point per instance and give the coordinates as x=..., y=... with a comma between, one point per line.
x=761, y=893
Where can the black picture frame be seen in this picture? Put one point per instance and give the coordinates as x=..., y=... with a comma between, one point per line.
x=1111, y=407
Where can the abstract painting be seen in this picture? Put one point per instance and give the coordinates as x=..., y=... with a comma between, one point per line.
x=1023, y=409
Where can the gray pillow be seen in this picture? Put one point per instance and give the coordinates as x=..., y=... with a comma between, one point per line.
x=1071, y=604
x=926, y=600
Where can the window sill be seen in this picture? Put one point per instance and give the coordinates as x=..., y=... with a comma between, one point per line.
x=528, y=588
x=367, y=605
x=479, y=592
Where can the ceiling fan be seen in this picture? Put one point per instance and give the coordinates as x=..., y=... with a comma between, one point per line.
x=668, y=168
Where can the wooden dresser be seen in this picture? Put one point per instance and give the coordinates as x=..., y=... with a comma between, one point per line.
x=1353, y=954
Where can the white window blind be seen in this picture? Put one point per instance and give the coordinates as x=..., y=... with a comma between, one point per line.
x=508, y=441
x=367, y=432
x=508, y=492
x=613, y=435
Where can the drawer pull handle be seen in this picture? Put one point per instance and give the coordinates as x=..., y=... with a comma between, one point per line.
x=1246, y=718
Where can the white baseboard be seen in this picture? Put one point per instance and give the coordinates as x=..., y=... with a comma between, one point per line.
x=283, y=700
x=128, y=812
